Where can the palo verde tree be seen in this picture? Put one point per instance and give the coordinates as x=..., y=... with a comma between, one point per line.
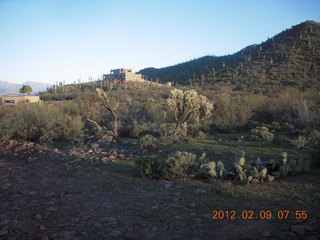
x=187, y=105
x=105, y=101
x=25, y=89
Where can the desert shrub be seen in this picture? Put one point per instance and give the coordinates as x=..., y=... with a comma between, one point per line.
x=299, y=142
x=313, y=138
x=146, y=165
x=148, y=142
x=235, y=111
x=177, y=165
x=261, y=133
x=278, y=140
x=45, y=123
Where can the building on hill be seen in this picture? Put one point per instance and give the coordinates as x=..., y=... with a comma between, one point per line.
x=16, y=98
x=124, y=75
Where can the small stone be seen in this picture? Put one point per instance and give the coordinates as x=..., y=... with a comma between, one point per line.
x=200, y=191
x=121, y=156
x=90, y=151
x=38, y=217
x=94, y=146
x=266, y=234
x=32, y=193
x=112, y=157
x=104, y=159
x=52, y=209
x=115, y=233
x=104, y=153
x=3, y=232
x=56, y=150
x=131, y=236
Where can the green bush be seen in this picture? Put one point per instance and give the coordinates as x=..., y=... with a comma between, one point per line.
x=148, y=142
x=177, y=165
x=44, y=123
x=261, y=133
x=146, y=165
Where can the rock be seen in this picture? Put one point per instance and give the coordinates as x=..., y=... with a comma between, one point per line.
x=104, y=153
x=115, y=233
x=104, y=159
x=56, y=150
x=266, y=234
x=90, y=151
x=3, y=232
x=32, y=193
x=300, y=229
x=38, y=217
x=114, y=153
x=168, y=185
x=121, y=156
x=94, y=146
x=313, y=237
x=52, y=209
x=131, y=236
x=200, y=191
x=112, y=157
x=193, y=204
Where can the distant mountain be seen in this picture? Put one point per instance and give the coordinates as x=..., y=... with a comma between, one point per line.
x=291, y=58
x=7, y=88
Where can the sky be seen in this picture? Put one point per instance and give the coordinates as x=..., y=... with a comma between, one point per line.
x=66, y=40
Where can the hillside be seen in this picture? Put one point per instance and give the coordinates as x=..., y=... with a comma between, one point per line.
x=291, y=58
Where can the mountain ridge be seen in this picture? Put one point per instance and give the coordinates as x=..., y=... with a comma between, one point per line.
x=290, y=58
x=8, y=88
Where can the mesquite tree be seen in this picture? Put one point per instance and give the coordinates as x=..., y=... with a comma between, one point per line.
x=186, y=105
x=113, y=133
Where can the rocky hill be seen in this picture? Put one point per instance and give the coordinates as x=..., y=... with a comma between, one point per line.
x=291, y=58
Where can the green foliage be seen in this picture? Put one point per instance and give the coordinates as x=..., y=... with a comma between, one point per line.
x=148, y=142
x=187, y=105
x=40, y=123
x=25, y=89
x=234, y=111
x=261, y=133
x=177, y=165
x=146, y=165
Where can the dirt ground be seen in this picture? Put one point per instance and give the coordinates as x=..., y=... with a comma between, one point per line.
x=41, y=198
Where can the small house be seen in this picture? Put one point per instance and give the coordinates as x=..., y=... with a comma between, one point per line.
x=16, y=98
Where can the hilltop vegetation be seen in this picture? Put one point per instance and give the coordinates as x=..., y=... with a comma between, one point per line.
x=290, y=58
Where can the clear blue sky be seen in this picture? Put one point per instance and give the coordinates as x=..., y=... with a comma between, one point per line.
x=56, y=40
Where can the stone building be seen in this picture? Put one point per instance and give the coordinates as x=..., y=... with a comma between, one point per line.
x=16, y=98
x=124, y=74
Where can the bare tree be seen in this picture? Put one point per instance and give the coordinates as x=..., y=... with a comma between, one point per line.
x=113, y=133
